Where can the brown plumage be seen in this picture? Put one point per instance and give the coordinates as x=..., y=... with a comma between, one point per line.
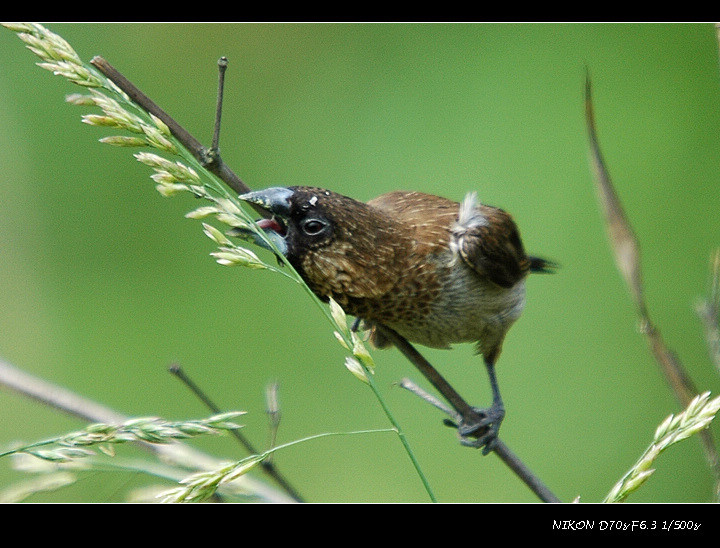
x=435, y=271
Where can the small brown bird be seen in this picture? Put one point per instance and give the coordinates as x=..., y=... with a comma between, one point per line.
x=435, y=271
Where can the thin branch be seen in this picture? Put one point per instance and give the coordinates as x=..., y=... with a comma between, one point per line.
x=627, y=256
x=176, y=453
x=267, y=465
x=222, y=67
x=56, y=396
x=209, y=159
x=463, y=411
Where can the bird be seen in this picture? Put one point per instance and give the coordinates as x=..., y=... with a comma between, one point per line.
x=436, y=271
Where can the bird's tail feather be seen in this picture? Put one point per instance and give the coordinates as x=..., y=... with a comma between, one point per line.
x=543, y=266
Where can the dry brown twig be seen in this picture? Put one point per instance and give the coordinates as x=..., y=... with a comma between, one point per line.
x=626, y=251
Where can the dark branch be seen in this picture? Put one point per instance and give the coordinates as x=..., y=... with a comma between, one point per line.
x=463, y=411
x=208, y=158
x=222, y=67
x=267, y=465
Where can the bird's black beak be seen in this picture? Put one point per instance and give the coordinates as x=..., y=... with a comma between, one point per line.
x=275, y=199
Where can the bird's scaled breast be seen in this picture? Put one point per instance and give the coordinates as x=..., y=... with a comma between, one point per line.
x=464, y=308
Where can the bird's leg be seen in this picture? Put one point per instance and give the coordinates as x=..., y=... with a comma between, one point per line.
x=471, y=422
x=484, y=433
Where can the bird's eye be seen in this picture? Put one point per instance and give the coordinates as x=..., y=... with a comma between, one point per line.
x=313, y=227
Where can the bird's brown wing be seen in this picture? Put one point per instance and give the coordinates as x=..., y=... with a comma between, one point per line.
x=426, y=218
x=491, y=247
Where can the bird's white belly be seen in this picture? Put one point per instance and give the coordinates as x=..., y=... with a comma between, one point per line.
x=468, y=309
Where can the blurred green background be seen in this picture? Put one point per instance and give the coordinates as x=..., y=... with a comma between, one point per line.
x=104, y=283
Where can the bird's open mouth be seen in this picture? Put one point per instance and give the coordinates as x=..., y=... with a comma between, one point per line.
x=274, y=223
x=276, y=201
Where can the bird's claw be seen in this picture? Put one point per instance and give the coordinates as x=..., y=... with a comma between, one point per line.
x=483, y=432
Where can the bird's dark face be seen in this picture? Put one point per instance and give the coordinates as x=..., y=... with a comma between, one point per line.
x=300, y=217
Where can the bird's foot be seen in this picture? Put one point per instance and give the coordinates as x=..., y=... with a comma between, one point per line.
x=483, y=431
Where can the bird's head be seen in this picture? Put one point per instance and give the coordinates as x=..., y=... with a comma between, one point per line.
x=336, y=243
x=301, y=218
